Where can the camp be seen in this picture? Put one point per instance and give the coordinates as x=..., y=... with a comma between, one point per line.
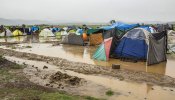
x=17, y=33
x=46, y=33
x=140, y=44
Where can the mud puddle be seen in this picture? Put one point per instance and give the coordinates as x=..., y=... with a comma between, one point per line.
x=84, y=55
x=95, y=85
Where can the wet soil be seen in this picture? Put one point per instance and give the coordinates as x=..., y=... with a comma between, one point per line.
x=15, y=85
x=122, y=74
x=59, y=77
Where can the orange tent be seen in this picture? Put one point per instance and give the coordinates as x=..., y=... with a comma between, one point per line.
x=85, y=37
x=96, y=39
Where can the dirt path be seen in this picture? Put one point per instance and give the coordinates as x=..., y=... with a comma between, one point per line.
x=122, y=74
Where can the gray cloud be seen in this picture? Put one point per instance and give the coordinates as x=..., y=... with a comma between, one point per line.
x=89, y=10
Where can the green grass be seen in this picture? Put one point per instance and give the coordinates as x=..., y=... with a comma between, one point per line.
x=28, y=47
x=109, y=93
x=90, y=98
x=13, y=47
x=31, y=94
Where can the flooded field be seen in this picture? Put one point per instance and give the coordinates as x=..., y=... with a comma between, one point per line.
x=84, y=54
x=94, y=84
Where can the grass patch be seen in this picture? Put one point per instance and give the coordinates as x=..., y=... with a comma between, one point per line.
x=28, y=47
x=30, y=94
x=16, y=66
x=91, y=98
x=109, y=93
x=13, y=47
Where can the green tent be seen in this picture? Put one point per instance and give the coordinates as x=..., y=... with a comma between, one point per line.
x=102, y=53
x=90, y=31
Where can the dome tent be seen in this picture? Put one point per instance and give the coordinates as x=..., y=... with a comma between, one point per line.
x=17, y=33
x=140, y=44
x=8, y=33
x=46, y=33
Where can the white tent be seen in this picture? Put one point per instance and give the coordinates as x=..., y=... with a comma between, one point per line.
x=64, y=31
x=46, y=33
x=8, y=33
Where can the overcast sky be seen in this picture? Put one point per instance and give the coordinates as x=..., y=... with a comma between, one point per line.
x=89, y=10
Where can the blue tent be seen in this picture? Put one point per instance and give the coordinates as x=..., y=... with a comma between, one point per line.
x=133, y=44
x=34, y=28
x=121, y=26
x=80, y=31
x=124, y=26
x=55, y=29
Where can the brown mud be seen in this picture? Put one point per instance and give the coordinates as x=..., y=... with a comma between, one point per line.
x=122, y=74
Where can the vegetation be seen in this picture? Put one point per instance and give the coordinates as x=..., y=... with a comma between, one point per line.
x=109, y=93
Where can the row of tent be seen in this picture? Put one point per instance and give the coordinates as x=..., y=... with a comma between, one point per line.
x=47, y=32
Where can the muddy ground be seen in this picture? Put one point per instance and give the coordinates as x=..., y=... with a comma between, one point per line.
x=122, y=74
x=14, y=85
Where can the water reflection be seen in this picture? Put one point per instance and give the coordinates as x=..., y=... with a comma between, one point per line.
x=12, y=39
x=85, y=55
x=28, y=39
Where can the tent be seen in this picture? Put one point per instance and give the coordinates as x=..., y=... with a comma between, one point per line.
x=96, y=39
x=91, y=31
x=46, y=33
x=55, y=29
x=64, y=39
x=72, y=39
x=34, y=28
x=64, y=31
x=79, y=32
x=171, y=41
x=17, y=33
x=25, y=31
x=103, y=52
x=8, y=33
x=58, y=35
x=72, y=32
x=75, y=39
x=117, y=35
x=124, y=26
x=85, y=37
x=149, y=29
x=121, y=26
x=140, y=44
